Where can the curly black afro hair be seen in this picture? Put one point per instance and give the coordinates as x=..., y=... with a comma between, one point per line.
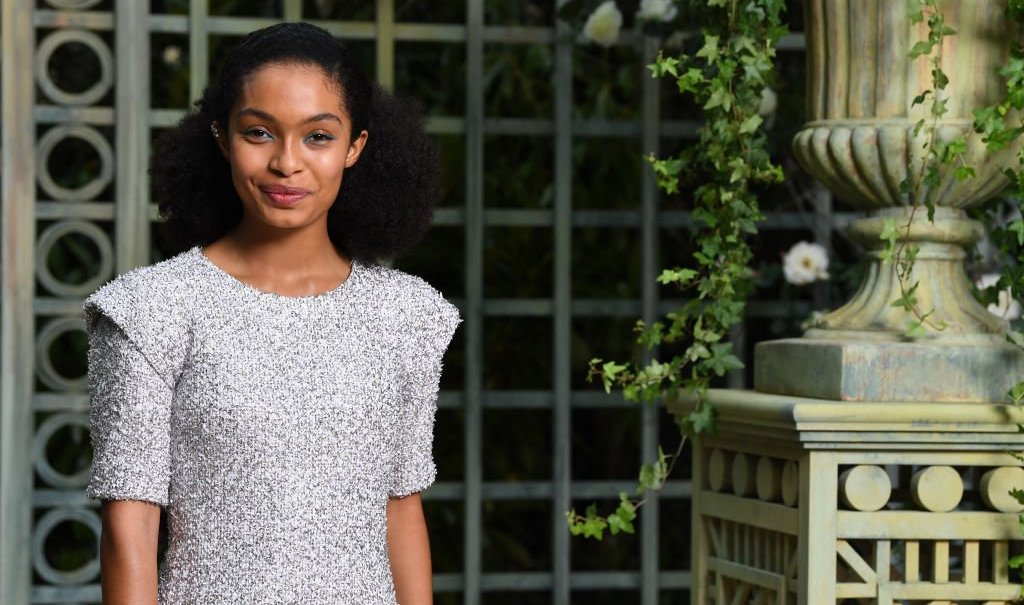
x=386, y=199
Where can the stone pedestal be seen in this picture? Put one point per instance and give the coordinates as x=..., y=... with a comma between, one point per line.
x=873, y=465
x=812, y=502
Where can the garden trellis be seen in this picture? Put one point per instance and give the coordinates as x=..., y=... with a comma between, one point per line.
x=70, y=225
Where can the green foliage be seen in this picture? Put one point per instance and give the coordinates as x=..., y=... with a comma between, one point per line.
x=652, y=478
x=999, y=125
x=940, y=155
x=725, y=77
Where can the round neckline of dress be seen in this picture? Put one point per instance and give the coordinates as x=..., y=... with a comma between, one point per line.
x=205, y=260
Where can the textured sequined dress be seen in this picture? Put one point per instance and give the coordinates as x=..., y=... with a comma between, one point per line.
x=272, y=428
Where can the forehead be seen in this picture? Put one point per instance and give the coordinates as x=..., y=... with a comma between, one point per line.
x=291, y=90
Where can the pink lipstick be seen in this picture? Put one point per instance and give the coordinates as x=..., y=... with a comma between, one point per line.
x=283, y=196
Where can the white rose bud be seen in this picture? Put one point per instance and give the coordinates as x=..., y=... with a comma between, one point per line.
x=657, y=10
x=172, y=55
x=603, y=25
x=805, y=263
x=769, y=103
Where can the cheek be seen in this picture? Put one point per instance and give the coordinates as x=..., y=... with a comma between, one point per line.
x=246, y=162
x=329, y=171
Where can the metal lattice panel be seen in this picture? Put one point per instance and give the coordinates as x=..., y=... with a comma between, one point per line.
x=109, y=214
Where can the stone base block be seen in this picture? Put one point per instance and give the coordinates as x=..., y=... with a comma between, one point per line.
x=887, y=371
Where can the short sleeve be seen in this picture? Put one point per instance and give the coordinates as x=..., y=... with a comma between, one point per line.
x=129, y=413
x=433, y=325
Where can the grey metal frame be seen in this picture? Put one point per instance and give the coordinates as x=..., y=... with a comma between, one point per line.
x=24, y=308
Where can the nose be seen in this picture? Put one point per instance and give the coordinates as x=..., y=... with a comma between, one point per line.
x=285, y=160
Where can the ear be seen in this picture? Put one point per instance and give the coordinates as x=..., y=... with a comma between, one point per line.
x=220, y=136
x=355, y=148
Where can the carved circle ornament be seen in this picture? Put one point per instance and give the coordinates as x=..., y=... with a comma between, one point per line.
x=937, y=489
x=73, y=5
x=88, y=39
x=43, y=435
x=865, y=487
x=744, y=479
x=44, y=526
x=45, y=369
x=769, y=479
x=49, y=141
x=718, y=471
x=52, y=236
x=791, y=483
x=996, y=485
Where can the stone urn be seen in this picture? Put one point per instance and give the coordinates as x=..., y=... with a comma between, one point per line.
x=861, y=142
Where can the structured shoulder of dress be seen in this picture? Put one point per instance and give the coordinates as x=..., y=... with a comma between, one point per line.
x=153, y=306
x=405, y=293
x=168, y=279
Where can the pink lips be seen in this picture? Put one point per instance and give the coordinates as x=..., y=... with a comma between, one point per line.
x=283, y=196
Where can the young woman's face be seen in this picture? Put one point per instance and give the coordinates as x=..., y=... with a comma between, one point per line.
x=289, y=139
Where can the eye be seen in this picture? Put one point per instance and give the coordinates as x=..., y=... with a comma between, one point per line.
x=256, y=132
x=320, y=137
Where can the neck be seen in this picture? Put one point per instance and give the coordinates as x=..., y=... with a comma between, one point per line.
x=286, y=251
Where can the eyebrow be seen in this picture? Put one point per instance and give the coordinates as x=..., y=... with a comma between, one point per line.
x=262, y=115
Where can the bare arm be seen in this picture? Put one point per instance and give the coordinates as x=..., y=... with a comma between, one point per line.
x=409, y=548
x=128, y=552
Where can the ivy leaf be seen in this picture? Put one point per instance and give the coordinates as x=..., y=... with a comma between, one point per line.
x=1017, y=393
x=608, y=373
x=722, y=360
x=1016, y=562
x=962, y=173
x=1017, y=226
x=915, y=11
x=719, y=98
x=702, y=419
x=617, y=523
x=710, y=49
x=915, y=329
x=676, y=276
x=923, y=47
x=751, y=124
x=689, y=81
x=664, y=65
x=908, y=300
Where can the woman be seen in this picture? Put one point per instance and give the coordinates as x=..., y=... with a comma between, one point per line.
x=271, y=386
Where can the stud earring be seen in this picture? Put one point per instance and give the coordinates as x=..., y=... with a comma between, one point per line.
x=214, y=131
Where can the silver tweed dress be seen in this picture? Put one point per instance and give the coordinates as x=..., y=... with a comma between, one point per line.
x=273, y=429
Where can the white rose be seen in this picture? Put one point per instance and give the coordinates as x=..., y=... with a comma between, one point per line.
x=1005, y=305
x=603, y=25
x=769, y=103
x=172, y=55
x=805, y=263
x=657, y=10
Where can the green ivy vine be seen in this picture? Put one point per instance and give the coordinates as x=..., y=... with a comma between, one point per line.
x=726, y=77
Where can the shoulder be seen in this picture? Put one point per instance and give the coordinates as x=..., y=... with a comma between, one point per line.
x=159, y=289
x=152, y=307
x=409, y=297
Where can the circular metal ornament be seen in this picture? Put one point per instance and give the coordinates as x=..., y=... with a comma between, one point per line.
x=73, y=5
x=48, y=142
x=51, y=236
x=44, y=525
x=44, y=365
x=60, y=96
x=43, y=435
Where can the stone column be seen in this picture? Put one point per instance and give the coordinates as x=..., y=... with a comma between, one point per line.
x=867, y=465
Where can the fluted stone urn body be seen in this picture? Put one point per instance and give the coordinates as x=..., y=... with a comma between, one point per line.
x=863, y=140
